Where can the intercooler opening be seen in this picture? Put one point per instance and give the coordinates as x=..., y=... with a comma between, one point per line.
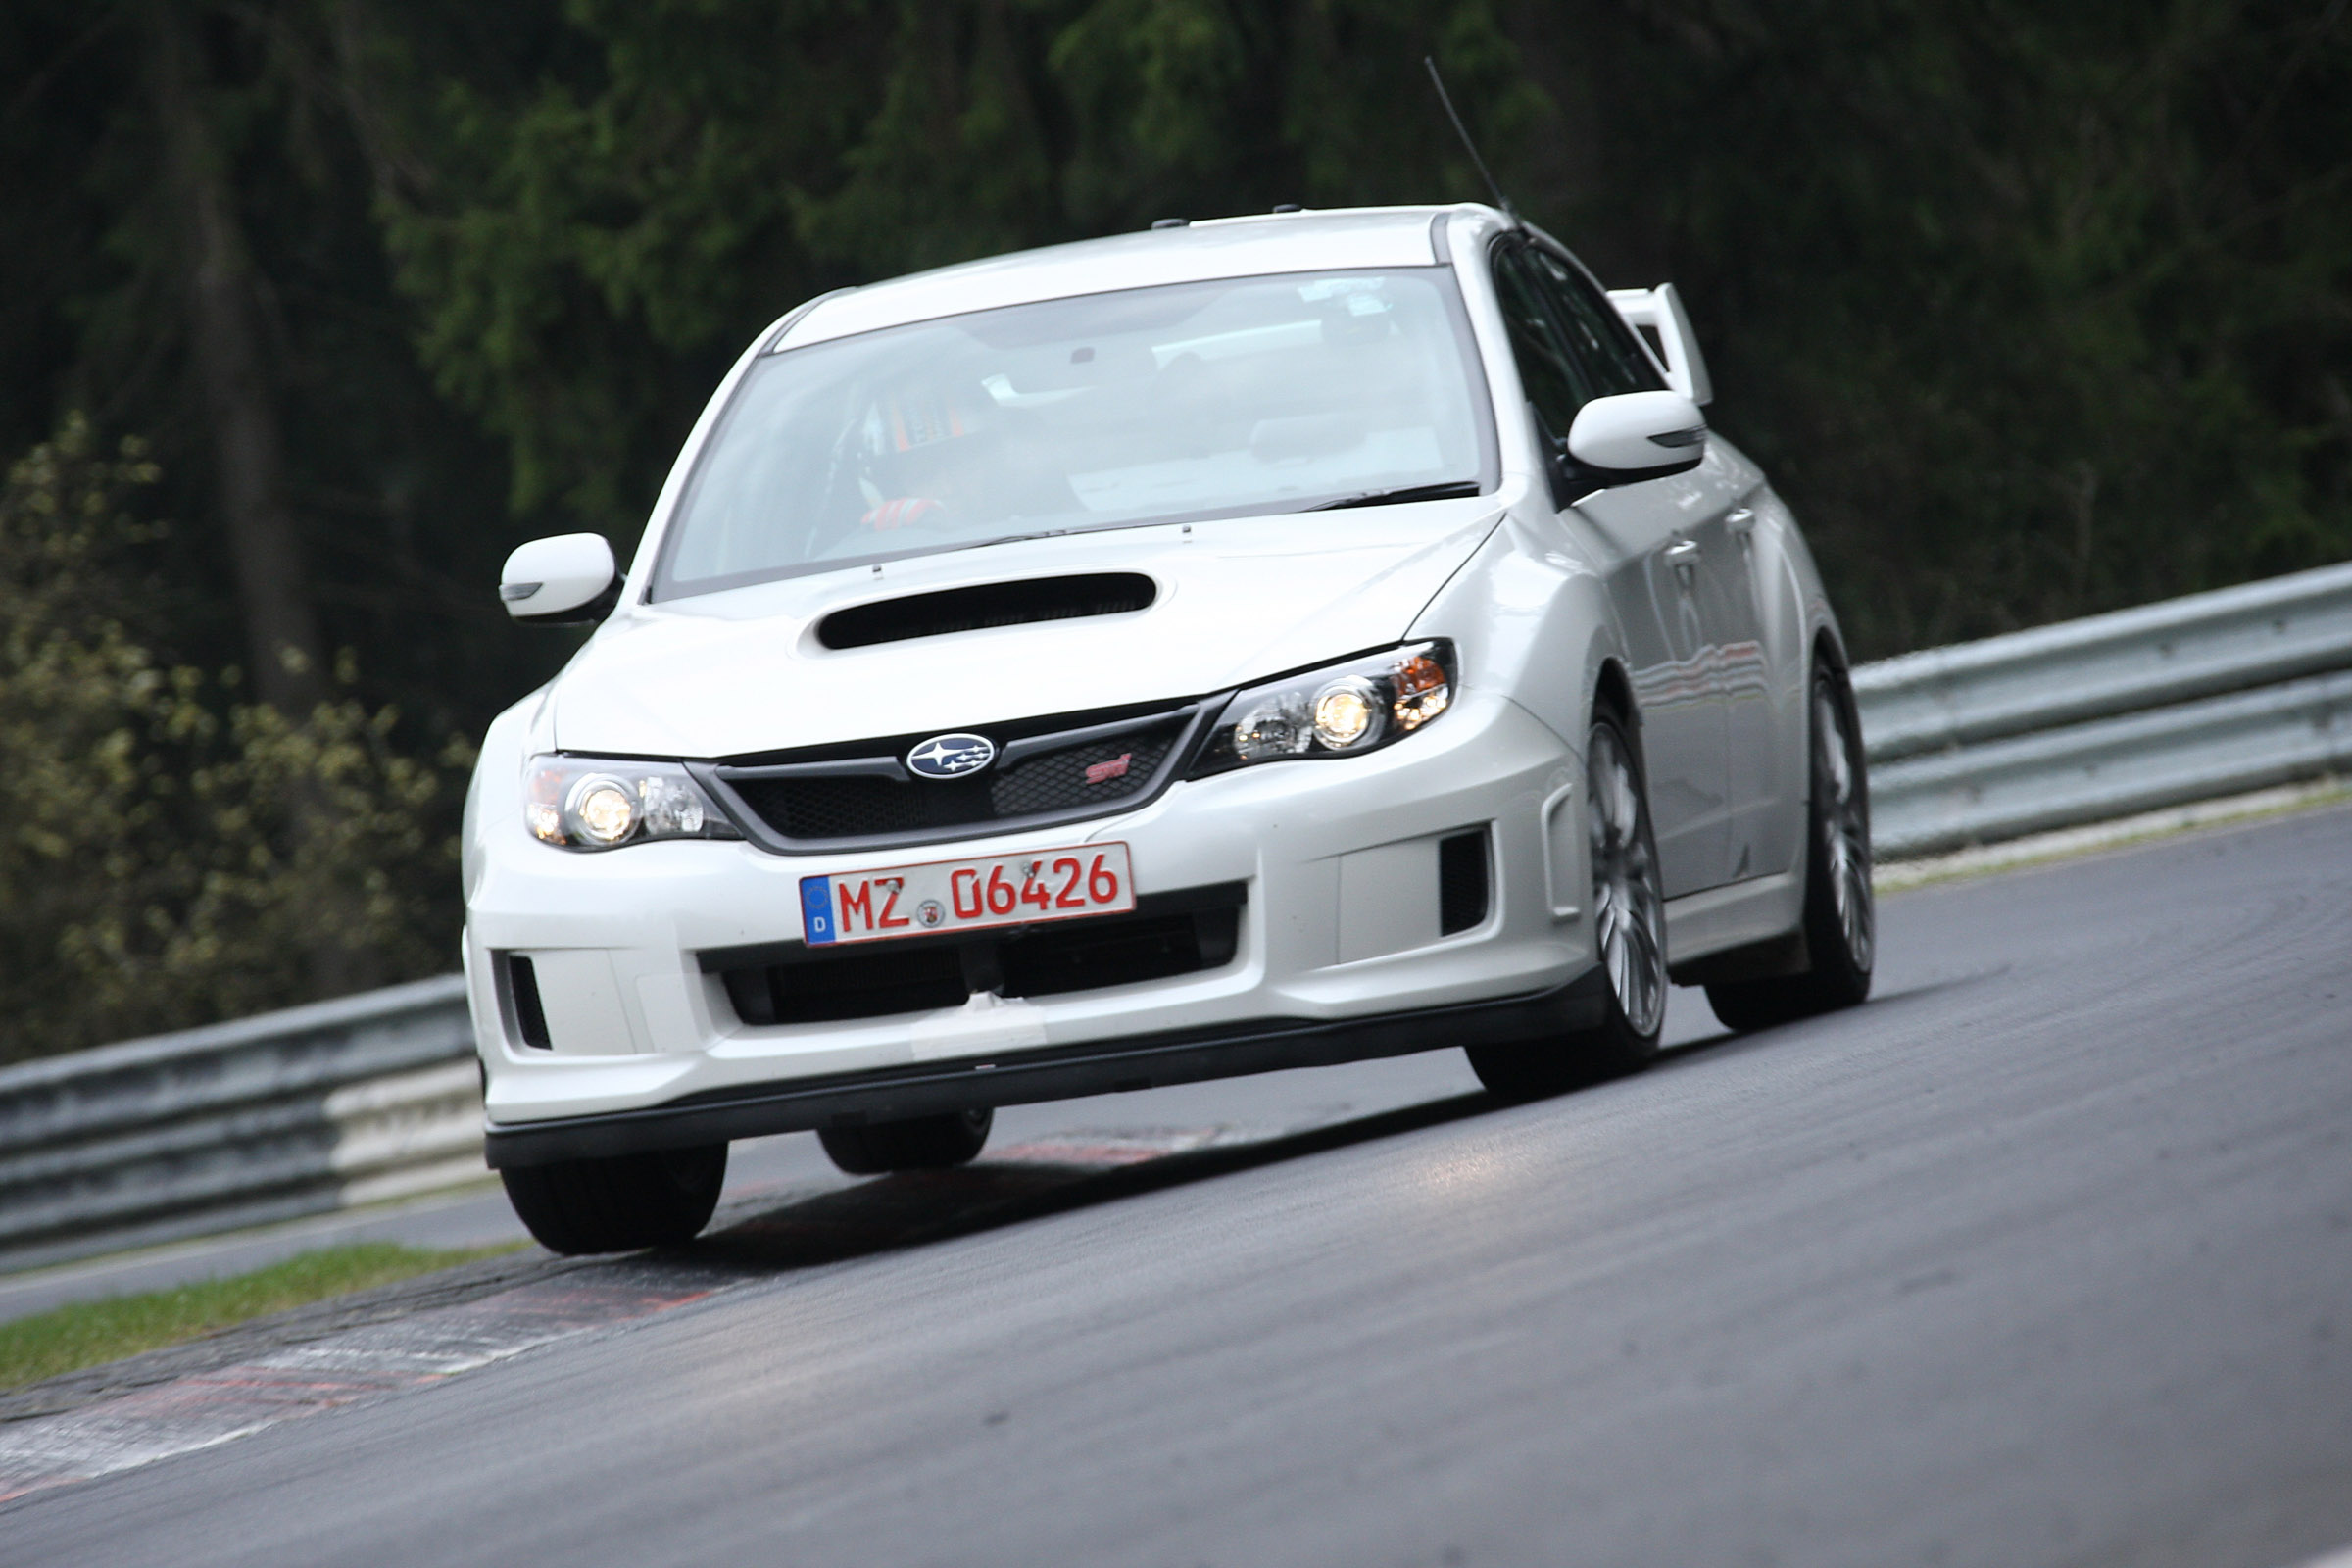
x=1167, y=936
x=849, y=984
x=996, y=603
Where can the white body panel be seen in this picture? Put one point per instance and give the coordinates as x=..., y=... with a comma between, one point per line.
x=1543, y=603
x=1229, y=611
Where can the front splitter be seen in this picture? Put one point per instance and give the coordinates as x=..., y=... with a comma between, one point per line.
x=1063, y=1073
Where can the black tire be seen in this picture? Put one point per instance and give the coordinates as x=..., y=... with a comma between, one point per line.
x=919, y=1142
x=619, y=1204
x=1628, y=937
x=1841, y=914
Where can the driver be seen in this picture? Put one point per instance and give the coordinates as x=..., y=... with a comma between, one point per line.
x=945, y=456
x=924, y=447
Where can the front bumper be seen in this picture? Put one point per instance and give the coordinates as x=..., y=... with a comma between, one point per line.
x=1338, y=954
x=1098, y=1068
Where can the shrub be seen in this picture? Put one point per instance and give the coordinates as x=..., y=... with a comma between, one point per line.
x=169, y=853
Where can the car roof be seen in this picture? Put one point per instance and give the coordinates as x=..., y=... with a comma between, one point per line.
x=1222, y=247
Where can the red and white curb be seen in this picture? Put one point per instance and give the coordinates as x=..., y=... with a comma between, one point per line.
x=207, y=1408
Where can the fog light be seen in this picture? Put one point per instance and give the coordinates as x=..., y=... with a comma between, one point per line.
x=1348, y=713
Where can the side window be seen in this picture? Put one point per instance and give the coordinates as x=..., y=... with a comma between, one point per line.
x=1597, y=334
x=1555, y=383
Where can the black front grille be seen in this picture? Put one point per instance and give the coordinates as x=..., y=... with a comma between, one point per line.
x=855, y=806
x=1089, y=773
x=1166, y=936
x=1049, y=770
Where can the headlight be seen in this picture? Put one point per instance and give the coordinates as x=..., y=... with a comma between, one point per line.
x=580, y=803
x=1341, y=710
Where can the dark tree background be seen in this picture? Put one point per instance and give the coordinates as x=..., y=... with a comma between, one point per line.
x=2034, y=308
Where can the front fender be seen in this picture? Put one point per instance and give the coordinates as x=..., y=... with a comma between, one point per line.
x=494, y=794
x=1532, y=618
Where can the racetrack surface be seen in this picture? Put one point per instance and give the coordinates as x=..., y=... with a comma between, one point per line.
x=2044, y=1256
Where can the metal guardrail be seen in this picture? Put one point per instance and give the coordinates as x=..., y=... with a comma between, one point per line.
x=2092, y=719
x=2255, y=635
x=375, y=1095
x=265, y=1118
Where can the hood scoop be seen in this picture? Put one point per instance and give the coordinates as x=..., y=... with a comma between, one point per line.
x=996, y=603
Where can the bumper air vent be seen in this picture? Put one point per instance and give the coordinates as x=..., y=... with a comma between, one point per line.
x=1061, y=768
x=1462, y=882
x=996, y=603
x=1168, y=934
x=523, y=1005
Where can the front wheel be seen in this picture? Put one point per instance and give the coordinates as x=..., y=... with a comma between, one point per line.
x=1841, y=911
x=620, y=1204
x=919, y=1142
x=1628, y=938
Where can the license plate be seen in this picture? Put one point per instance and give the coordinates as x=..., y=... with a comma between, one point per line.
x=912, y=901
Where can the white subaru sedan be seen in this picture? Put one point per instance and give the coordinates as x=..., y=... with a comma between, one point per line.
x=1244, y=645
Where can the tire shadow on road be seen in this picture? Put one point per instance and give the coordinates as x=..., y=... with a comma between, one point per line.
x=1726, y=1041
x=916, y=1209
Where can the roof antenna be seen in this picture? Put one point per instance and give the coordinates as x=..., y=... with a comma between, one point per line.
x=1469, y=146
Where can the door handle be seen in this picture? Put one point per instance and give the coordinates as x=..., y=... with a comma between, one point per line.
x=1683, y=557
x=1741, y=519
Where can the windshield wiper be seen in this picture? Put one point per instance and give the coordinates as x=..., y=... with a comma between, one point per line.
x=1018, y=538
x=1411, y=492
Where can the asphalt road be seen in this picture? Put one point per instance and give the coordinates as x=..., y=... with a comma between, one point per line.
x=2044, y=1256
x=774, y=1168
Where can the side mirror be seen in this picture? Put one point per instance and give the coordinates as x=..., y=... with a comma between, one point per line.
x=1662, y=310
x=569, y=580
x=1638, y=435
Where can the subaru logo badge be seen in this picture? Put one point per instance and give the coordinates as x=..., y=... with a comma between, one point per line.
x=951, y=755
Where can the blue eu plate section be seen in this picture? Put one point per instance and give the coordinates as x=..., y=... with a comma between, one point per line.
x=816, y=910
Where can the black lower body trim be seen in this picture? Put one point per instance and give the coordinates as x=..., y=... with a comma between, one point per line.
x=1061, y=1072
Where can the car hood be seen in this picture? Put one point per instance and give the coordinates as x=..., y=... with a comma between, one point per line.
x=742, y=671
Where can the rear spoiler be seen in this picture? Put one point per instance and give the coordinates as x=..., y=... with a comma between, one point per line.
x=1660, y=310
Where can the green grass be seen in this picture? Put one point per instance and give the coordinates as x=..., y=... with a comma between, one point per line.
x=66, y=1339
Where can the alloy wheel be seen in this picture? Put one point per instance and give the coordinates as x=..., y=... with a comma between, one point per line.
x=1628, y=908
x=1844, y=826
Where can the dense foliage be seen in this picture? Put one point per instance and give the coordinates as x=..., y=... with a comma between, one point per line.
x=2032, y=310
x=173, y=852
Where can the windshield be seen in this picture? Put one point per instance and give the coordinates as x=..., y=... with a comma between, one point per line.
x=1235, y=398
